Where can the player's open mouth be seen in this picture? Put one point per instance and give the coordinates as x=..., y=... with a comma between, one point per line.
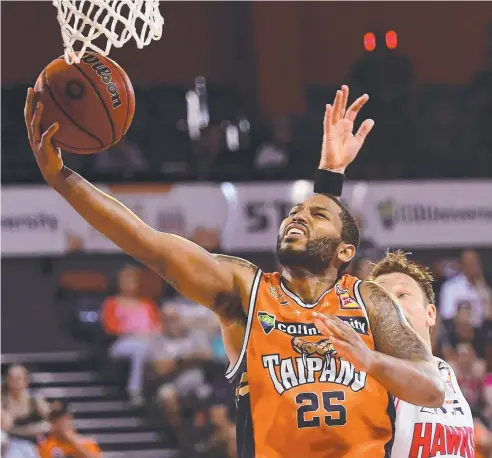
x=295, y=231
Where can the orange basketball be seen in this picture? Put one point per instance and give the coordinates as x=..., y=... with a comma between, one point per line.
x=93, y=102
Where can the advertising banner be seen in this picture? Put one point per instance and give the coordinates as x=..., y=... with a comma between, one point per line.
x=246, y=216
x=429, y=214
x=32, y=222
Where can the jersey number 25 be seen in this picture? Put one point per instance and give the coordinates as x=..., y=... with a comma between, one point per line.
x=310, y=402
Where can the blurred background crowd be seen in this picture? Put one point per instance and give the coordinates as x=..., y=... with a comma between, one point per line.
x=99, y=350
x=445, y=125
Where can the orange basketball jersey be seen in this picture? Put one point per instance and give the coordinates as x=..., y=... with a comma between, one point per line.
x=296, y=397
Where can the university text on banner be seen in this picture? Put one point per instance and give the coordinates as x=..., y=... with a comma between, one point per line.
x=428, y=214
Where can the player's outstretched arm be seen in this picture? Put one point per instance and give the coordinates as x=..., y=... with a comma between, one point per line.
x=340, y=146
x=403, y=362
x=221, y=283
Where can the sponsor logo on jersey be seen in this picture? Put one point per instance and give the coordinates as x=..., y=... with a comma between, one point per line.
x=278, y=295
x=318, y=363
x=347, y=302
x=269, y=323
x=358, y=323
x=430, y=440
x=320, y=348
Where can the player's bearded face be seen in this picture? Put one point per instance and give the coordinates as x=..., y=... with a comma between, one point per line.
x=315, y=255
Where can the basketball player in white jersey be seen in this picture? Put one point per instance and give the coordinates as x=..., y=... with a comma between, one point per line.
x=420, y=432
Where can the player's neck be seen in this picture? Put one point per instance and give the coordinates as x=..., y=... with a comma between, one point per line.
x=427, y=338
x=307, y=286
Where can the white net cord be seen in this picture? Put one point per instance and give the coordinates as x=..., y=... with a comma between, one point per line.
x=111, y=22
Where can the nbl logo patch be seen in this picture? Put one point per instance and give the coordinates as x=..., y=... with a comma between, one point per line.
x=267, y=322
x=347, y=302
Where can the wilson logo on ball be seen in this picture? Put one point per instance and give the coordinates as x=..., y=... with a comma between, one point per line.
x=105, y=74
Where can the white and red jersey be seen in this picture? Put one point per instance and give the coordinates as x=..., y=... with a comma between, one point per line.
x=422, y=432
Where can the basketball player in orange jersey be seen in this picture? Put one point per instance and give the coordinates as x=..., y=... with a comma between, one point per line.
x=296, y=396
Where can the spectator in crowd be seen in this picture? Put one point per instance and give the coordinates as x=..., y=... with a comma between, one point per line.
x=132, y=320
x=487, y=399
x=460, y=329
x=63, y=441
x=177, y=358
x=470, y=286
x=443, y=270
x=367, y=253
x=12, y=447
x=25, y=414
x=5, y=425
x=437, y=338
x=367, y=249
x=483, y=440
x=211, y=152
x=201, y=320
x=275, y=153
x=190, y=312
x=194, y=315
x=221, y=442
x=470, y=373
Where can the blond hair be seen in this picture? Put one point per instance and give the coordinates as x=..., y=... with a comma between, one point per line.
x=397, y=261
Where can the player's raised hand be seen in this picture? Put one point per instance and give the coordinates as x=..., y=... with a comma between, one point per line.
x=47, y=155
x=347, y=342
x=340, y=146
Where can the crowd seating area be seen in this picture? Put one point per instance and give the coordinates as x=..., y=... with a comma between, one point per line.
x=99, y=406
x=422, y=131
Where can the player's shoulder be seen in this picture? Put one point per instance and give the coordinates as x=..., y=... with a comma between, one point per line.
x=441, y=363
x=450, y=380
x=347, y=279
x=243, y=271
x=444, y=367
x=347, y=283
x=447, y=373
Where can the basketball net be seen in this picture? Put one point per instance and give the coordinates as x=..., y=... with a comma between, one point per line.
x=110, y=22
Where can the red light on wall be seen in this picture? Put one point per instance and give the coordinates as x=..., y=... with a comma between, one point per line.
x=369, y=41
x=391, y=39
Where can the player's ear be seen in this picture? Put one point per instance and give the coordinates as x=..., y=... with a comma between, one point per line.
x=346, y=252
x=431, y=315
